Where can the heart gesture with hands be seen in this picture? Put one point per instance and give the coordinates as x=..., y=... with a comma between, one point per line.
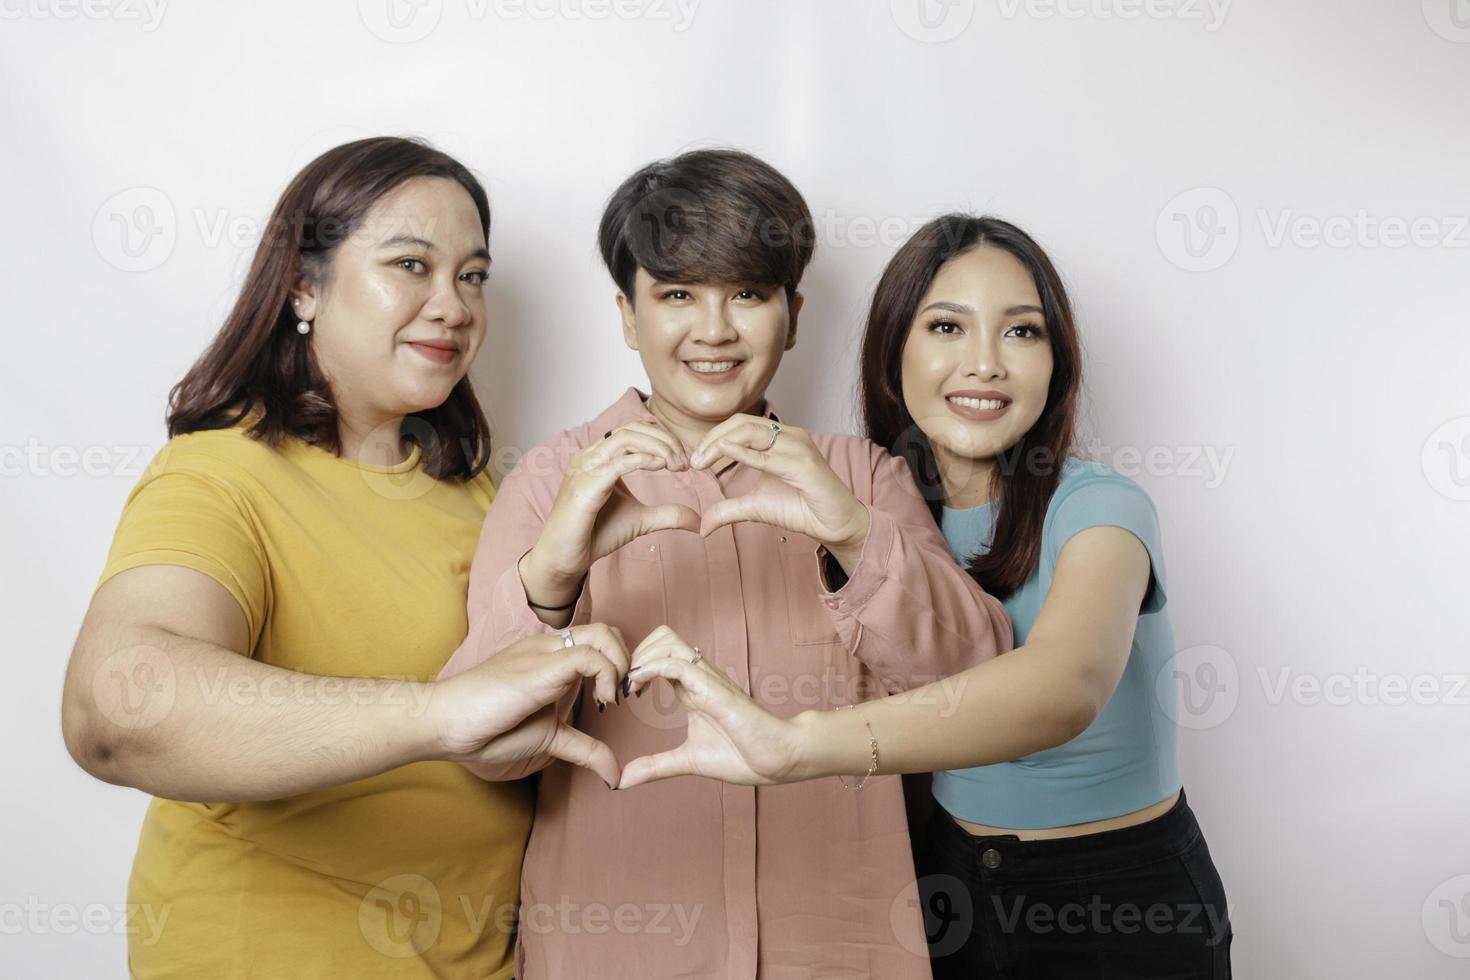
x=731, y=737
x=798, y=491
x=594, y=514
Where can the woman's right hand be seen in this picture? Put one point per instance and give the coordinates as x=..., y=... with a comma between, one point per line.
x=504, y=710
x=594, y=515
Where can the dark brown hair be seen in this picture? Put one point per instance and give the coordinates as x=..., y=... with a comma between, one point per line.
x=258, y=364
x=707, y=216
x=1026, y=474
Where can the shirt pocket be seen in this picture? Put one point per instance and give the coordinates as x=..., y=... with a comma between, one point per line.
x=809, y=618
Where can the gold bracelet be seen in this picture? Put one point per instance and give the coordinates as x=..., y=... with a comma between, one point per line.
x=873, y=767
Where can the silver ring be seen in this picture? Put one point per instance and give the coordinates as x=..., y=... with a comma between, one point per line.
x=775, y=434
x=566, y=638
x=697, y=656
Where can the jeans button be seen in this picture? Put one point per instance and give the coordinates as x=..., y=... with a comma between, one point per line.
x=991, y=858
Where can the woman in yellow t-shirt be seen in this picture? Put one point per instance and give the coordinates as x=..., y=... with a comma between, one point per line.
x=286, y=581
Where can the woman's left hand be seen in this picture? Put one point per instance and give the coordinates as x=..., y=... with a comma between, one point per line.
x=731, y=738
x=797, y=491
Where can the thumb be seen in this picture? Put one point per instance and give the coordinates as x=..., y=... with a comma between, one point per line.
x=668, y=517
x=581, y=749
x=651, y=768
x=731, y=510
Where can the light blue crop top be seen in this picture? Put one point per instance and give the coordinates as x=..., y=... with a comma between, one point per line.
x=1128, y=757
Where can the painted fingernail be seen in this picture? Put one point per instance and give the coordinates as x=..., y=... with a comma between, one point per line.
x=601, y=707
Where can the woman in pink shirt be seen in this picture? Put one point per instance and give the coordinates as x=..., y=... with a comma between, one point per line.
x=805, y=565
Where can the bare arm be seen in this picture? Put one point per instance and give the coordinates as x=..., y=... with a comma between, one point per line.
x=1035, y=697
x=160, y=695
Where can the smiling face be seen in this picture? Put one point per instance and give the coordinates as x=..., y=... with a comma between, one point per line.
x=977, y=364
x=400, y=313
x=710, y=350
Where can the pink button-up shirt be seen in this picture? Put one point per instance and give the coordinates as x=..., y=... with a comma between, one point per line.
x=691, y=877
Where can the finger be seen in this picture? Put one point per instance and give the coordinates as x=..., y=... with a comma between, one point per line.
x=581, y=749
x=669, y=646
x=628, y=439
x=631, y=462
x=766, y=460
x=656, y=639
x=589, y=662
x=660, y=433
x=600, y=470
x=704, y=672
x=607, y=640
x=667, y=517
x=651, y=768
x=600, y=457
x=704, y=454
x=756, y=435
x=694, y=678
x=731, y=510
x=701, y=687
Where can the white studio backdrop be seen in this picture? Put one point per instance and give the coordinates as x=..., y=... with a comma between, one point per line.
x=1260, y=206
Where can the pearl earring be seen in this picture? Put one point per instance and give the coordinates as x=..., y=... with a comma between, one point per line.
x=303, y=327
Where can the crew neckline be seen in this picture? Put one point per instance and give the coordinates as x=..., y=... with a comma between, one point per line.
x=411, y=462
x=415, y=455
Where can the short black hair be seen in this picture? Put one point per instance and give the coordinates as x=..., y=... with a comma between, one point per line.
x=707, y=216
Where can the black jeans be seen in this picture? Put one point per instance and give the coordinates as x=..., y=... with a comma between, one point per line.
x=1138, y=903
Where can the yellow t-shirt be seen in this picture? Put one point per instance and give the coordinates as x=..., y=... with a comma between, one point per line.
x=341, y=569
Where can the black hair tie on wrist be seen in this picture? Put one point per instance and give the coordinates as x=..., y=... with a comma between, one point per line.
x=536, y=605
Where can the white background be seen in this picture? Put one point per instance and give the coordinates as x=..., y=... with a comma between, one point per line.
x=1317, y=565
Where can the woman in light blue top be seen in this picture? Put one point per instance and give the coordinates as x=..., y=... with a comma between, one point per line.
x=1062, y=845
x=1126, y=760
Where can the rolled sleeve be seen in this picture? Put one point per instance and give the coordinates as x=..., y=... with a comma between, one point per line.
x=908, y=611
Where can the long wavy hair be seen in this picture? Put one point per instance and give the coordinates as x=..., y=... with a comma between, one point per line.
x=1026, y=475
x=259, y=365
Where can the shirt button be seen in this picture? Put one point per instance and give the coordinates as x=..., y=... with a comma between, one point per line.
x=831, y=603
x=653, y=547
x=991, y=858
